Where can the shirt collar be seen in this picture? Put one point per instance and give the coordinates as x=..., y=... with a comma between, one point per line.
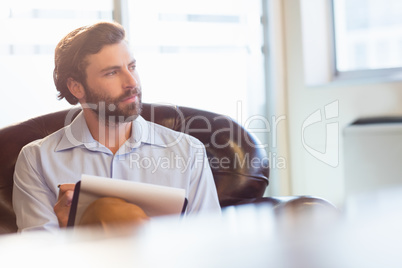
x=144, y=132
x=77, y=134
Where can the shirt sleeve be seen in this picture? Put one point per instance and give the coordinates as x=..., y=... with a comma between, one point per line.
x=33, y=200
x=203, y=196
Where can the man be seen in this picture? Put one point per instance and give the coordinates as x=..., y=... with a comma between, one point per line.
x=94, y=67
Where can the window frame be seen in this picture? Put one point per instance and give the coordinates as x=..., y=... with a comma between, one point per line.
x=378, y=74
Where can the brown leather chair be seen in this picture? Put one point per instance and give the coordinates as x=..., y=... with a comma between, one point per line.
x=240, y=168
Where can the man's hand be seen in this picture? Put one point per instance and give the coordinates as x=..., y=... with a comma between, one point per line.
x=63, y=205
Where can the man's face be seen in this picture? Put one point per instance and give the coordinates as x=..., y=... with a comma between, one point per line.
x=113, y=88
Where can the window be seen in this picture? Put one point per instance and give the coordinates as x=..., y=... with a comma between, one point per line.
x=368, y=35
x=30, y=32
x=203, y=54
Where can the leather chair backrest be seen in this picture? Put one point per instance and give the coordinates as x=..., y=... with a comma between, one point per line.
x=239, y=166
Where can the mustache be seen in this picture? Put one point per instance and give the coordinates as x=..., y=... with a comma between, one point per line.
x=130, y=93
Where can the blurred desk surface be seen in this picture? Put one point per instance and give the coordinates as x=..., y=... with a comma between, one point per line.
x=245, y=236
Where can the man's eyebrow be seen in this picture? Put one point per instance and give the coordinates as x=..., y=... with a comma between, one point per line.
x=109, y=68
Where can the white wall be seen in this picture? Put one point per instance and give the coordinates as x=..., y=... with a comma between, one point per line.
x=309, y=175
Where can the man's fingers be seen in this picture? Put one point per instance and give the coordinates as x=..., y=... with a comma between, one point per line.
x=66, y=198
x=65, y=188
x=62, y=207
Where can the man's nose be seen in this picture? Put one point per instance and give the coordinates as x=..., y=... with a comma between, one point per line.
x=130, y=79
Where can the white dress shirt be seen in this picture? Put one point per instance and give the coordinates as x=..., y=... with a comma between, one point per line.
x=153, y=154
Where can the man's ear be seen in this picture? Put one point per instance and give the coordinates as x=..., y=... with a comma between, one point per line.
x=76, y=88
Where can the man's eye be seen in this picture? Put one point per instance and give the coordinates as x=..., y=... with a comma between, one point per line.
x=132, y=67
x=111, y=73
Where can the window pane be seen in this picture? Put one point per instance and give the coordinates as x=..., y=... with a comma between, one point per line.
x=368, y=34
x=30, y=31
x=202, y=54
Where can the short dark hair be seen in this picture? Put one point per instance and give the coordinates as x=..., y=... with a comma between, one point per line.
x=73, y=49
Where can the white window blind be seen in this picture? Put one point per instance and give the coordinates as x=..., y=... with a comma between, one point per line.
x=368, y=34
x=30, y=31
x=202, y=54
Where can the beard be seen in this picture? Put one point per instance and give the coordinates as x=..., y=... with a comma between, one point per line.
x=109, y=109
